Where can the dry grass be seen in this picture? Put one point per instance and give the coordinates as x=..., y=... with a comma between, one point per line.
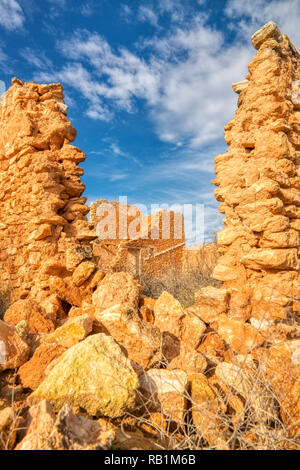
x=8, y=435
x=182, y=284
x=232, y=421
x=244, y=414
x=247, y=412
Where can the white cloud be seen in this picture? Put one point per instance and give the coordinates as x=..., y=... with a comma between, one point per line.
x=87, y=9
x=196, y=98
x=177, y=10
x=11, y=15
x=76, y=76
x=2, y=88
x=185, y=81
x=184, y=77
x=5, y=61
x=249, y=15
x=147, y=14
x=153, y=11
x=38, y=60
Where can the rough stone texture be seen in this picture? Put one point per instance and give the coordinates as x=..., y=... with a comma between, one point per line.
x=117, y=288
x=35, y=316
x=83, y=272
x=140, y=342
x=259, y=185
x=39, y=424
x=210, y=302
x=94, y=375
x=247, y=383
x=75, y=432
x=213, y=347
x=42, y=211
x=86, y=309
x=165, y=391
x=167, y=313
x=146, y=309
x=23, y=330
x=131, y=242
x=182, y=332
x=13, y=349
x=33, y=372
x=205, y=408
x=268, y=31
x=171, y=318
x=241, y=337
x=8, y=428
x=66, y=432
x=238, y=87
x=71, y=332
x=282, y=370
x=188, y=360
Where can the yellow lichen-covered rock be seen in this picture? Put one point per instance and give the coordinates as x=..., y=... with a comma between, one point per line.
x=94, y=375
x=206, y=408
x=71, y=332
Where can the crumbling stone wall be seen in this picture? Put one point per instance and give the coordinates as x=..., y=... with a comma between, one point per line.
x=259, y=185
x=153, y=244
x=42, y=213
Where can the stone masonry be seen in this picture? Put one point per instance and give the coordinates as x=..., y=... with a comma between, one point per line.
x=136, y=243
x=258, y=183
x=42, y=211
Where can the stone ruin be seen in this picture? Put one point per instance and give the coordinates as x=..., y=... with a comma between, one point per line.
x=43, y=216
x=258, y=183
x=128, y=240
x=235, y=352
x=44, y=232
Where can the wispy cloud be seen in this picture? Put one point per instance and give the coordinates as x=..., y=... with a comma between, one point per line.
x=180, y=76
x=186, y=80
x=147, y=14
x=87, y=9
x=11, y=15
x=184, y=75
x=247, y=16
x=110, y=147
x=77, y=77
x=37, y=59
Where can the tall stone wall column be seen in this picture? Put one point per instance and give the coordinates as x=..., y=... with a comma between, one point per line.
x=42, y=213
x=258, y=183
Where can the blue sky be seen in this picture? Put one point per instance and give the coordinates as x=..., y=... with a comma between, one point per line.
x=147, y=82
